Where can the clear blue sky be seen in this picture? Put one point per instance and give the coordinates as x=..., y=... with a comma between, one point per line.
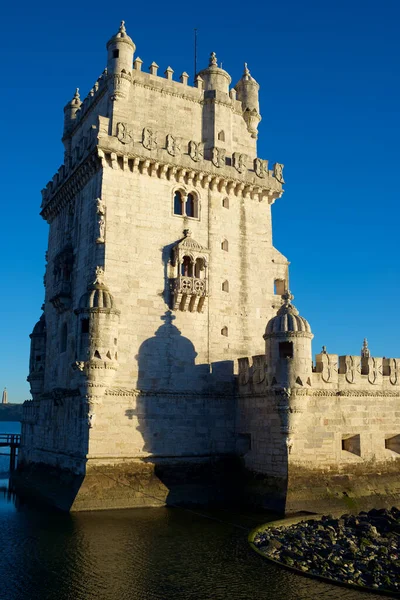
x=330, y=83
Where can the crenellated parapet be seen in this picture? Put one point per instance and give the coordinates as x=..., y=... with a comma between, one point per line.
x=355, y=371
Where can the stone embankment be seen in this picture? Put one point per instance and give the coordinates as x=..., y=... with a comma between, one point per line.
x=361, y=550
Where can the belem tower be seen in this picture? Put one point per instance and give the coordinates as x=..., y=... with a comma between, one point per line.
x=170, y=365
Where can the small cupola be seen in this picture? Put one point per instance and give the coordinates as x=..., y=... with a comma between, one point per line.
x=97, y=296
x=214, y=77
x=287, y=320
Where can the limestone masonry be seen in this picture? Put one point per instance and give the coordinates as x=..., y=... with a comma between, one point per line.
x=161, y=275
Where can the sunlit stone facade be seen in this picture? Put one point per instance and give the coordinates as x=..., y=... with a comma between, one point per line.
x=160, y=274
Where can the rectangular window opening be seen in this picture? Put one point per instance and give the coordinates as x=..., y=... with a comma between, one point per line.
x=352, y=444
x=286, y=350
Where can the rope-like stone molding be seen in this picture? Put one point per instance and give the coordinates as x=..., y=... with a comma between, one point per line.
x=134, y=393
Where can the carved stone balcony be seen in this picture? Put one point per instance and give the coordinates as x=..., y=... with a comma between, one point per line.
x=62, y=296
x=189, y=293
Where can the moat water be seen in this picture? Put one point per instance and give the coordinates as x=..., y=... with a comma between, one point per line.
x=140, y=554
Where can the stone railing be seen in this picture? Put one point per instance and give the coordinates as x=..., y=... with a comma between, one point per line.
x=191, y=286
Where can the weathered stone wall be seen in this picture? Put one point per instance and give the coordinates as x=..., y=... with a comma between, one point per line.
x=334, y=442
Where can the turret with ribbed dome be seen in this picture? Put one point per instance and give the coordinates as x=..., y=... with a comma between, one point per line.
x=288, y=346
x=98, y=320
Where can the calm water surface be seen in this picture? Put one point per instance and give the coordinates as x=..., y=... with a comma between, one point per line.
x=141, y=554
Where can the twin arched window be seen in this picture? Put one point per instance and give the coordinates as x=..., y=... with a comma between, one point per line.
x=186, y=205
x=188, y=266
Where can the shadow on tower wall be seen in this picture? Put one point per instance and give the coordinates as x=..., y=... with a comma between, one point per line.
x=186, y=416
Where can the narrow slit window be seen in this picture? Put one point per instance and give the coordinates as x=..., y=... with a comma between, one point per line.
x=64, y=336
x=225, y=286
x=225, y=245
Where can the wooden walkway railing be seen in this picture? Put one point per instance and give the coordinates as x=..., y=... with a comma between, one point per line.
x=13, y=441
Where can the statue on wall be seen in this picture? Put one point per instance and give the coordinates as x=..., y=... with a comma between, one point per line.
x=101, y=211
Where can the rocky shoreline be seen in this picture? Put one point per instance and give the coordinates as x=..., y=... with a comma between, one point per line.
x=361, y=549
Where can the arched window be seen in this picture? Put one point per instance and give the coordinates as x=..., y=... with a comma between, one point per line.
x=221, y=136
x=224, y=331
x=64, y=336
x=225, y=202
x=191, y=206
x=178, y=204
x=225, y=245
x=225, y=286
x=199, y=268
x=187, y=267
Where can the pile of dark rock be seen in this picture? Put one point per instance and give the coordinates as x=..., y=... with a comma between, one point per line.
x=360, y=550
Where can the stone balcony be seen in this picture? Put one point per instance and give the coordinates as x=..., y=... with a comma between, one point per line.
x=189, y=293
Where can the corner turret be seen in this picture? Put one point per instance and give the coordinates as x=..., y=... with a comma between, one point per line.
x=70, y=110
x=247, y=92
x=120, y=50
x=288, y=346
x=214, y=77
x=98, y=321
x=37, y=360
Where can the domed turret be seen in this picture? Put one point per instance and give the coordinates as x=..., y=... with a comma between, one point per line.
x=97, y=296
x=120, y=50
x=97, y=345
x=214, y=77
x=247, y=92
x=288, y=346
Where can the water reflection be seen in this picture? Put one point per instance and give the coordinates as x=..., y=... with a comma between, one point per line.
x=151, y=554
x=140, y=554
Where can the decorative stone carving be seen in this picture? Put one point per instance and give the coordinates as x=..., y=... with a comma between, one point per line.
x=394, y=371
x=99, y=275
x=350, y=369
x=244, y=371
x=101, y=211
x=149, y=138
x=239, y=162
x=329, y=368
x=123, y=134
x=218, y=156
x=260, y=167
x=173, y=145
x=259, y=368
x=374, y=370
x=278, y=172
x=196, y=150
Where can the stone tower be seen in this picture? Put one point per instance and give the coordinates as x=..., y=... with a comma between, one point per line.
x=160, y=226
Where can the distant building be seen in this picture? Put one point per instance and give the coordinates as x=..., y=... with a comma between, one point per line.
x=161, y=274
x=4, y=399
